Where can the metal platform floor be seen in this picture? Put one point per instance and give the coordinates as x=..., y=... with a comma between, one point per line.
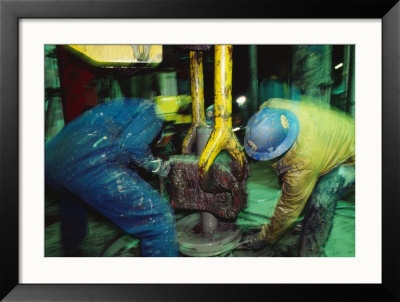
x=105, y=239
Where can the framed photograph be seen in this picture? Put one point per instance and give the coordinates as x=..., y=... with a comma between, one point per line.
x=112, y=119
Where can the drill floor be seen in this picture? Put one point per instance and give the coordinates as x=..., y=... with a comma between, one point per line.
x=263, y=188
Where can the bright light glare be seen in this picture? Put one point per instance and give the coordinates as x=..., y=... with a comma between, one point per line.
x=241, y=100
x=338, y=65
x=236, y=129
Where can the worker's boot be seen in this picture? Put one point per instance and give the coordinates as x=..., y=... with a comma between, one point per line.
x=253, y=241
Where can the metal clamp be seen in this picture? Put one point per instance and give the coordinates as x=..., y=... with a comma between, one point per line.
x=222, y=137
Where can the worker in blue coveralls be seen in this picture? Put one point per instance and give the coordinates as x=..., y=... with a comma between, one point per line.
x=94, y=159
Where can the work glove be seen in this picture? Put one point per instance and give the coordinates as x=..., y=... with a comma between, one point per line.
x=160, y=167
x=253, y=242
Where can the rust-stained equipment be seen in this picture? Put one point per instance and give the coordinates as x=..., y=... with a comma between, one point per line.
x=211, y=232
x=217, y=190
x=198, y=133
x=224, y=199
x=222, y=137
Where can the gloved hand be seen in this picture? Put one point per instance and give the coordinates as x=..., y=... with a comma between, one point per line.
x=253, y=242
x=164, y=168
x=161, y=167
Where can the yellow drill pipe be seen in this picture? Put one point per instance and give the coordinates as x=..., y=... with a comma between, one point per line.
x=197, y=88
x=222, y=137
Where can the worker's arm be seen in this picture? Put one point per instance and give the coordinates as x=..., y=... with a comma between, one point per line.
x=137, y=136
x=297, y=185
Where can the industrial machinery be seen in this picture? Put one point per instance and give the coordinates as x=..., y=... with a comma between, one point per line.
x=217, y=188
x=210, y=181
x=120, y=55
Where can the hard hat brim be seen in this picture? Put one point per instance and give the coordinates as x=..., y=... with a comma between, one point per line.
x=283, y=147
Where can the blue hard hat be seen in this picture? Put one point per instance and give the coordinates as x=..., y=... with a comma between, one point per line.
x=270, y=133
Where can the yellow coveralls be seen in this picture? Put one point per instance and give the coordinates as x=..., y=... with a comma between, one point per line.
x=326, y=139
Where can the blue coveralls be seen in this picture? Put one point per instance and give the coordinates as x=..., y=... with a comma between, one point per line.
x=90, y=159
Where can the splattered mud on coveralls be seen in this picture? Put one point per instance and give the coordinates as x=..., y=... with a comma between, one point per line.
x=326, y=142
x=90, y=160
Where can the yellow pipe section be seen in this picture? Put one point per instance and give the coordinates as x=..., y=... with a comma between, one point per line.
x=222, y=137
x=197, y=88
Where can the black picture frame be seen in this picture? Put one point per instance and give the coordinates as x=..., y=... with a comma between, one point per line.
x=11, y=11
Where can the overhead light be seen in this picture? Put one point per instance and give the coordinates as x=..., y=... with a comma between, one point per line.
x=236, y=129
x=241, y=100
x=338, y=65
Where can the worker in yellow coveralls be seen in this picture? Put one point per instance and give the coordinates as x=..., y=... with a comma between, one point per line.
x=313, y=150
